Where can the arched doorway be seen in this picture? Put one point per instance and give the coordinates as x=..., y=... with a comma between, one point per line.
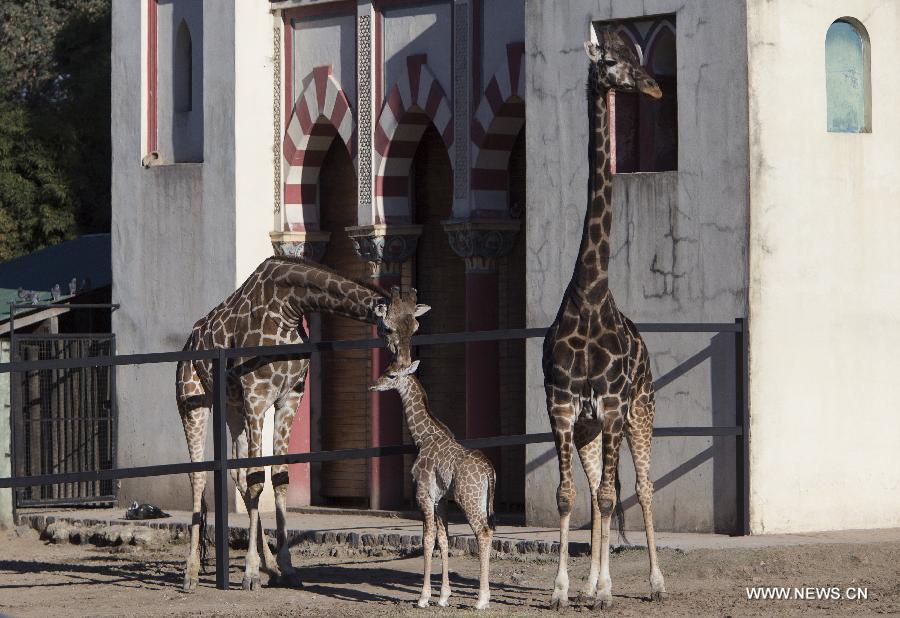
x=344, y=408
x=439, y=277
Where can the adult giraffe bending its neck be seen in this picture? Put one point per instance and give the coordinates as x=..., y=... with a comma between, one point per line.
x=268, y=309
x=596, y=367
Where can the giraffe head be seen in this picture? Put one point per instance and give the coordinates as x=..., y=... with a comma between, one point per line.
x=394, y=377
x=615, y=66
x=397, y=322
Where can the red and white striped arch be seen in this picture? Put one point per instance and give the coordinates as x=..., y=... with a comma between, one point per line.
x=498, y=119
x=321, y=111
x=414, y=102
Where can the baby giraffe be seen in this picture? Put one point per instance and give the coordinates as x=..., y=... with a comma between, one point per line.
x=444, y=466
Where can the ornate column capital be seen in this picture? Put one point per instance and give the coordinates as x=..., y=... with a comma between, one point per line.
x=480, y=242
x=385, y=247
x=307, y=244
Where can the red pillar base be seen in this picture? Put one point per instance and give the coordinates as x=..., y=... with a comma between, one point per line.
x=299, y=488
x=482, y=360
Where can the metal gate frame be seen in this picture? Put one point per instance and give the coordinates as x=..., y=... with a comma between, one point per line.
x=17, y=408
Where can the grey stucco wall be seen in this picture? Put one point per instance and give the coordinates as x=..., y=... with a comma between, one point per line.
x=679, y=242
x=173, y=244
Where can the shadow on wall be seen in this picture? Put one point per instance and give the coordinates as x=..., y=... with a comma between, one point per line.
x=184, y=78
x=720, y=354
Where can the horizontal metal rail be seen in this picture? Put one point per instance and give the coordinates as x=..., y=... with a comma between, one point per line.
x=329, y=346
x=319, y=456
x=45, y=305
x=221, y=462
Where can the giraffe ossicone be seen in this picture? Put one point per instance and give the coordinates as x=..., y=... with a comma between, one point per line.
x=444, y=468
x=268, y=309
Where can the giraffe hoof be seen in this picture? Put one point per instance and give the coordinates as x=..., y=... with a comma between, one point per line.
x=603, y=604
x=190, y=583
x=422, y=603
x=251, y=583
x=559, y=603
x=659, y=596
x=285, y=580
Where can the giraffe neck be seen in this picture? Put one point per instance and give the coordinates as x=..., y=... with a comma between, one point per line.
x=311, y=289
x=422, y=425
x=592, y=268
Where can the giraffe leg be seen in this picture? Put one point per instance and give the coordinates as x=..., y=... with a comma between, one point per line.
x=194, y=421
x=255, y=481
x=444, y=544
x=426, y=503
x=285, y=410
x=639, y=442
x=562, y=421
x=239, y=476
x=485, y=538
x=473, y=490
x=611, y=441
x=588, y=439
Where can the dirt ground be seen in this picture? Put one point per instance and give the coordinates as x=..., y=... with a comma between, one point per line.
x=41, y=579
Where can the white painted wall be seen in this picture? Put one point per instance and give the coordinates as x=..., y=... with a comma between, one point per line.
x=326, y=41
x=254, y=168
x=824, y=272
x=419, y=30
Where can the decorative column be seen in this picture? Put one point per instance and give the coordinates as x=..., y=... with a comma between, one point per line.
x=463, y=64
x=480, y=242
x=309, y=245
x=385, y=248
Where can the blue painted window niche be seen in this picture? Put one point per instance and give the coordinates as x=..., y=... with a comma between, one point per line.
x=847, y=77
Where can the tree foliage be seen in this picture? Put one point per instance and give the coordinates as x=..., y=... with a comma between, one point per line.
x=54, y=121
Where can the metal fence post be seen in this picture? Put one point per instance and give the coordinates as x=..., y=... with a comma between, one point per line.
x=742, y=420
x=220, y=474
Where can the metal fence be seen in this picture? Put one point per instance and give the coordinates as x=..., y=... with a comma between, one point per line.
x=221, y=463
x=63, y=420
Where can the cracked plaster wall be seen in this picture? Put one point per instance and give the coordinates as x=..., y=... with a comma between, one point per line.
x=679, y=245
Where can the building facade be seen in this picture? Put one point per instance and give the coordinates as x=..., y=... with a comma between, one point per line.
x=389, y=139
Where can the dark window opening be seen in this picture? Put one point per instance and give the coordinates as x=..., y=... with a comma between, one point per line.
x=645, y=131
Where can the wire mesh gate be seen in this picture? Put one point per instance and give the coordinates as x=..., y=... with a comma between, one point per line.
x=64, y=419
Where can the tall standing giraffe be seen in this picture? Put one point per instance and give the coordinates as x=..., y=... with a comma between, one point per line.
x=596, y=367
x=268, y=309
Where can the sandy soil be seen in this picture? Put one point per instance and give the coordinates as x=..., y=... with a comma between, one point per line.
x=40, y=579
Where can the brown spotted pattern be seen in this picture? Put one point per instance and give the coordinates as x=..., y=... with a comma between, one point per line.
x=444, y=468
x=597, y=376
x=268, y=309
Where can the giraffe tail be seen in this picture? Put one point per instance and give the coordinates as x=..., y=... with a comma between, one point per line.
x=492, y=484
x=204, y=539
x=620, y=511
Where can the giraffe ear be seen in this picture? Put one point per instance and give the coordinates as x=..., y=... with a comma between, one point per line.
x=592, y=50
x=412, y=368
x=421, y=310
